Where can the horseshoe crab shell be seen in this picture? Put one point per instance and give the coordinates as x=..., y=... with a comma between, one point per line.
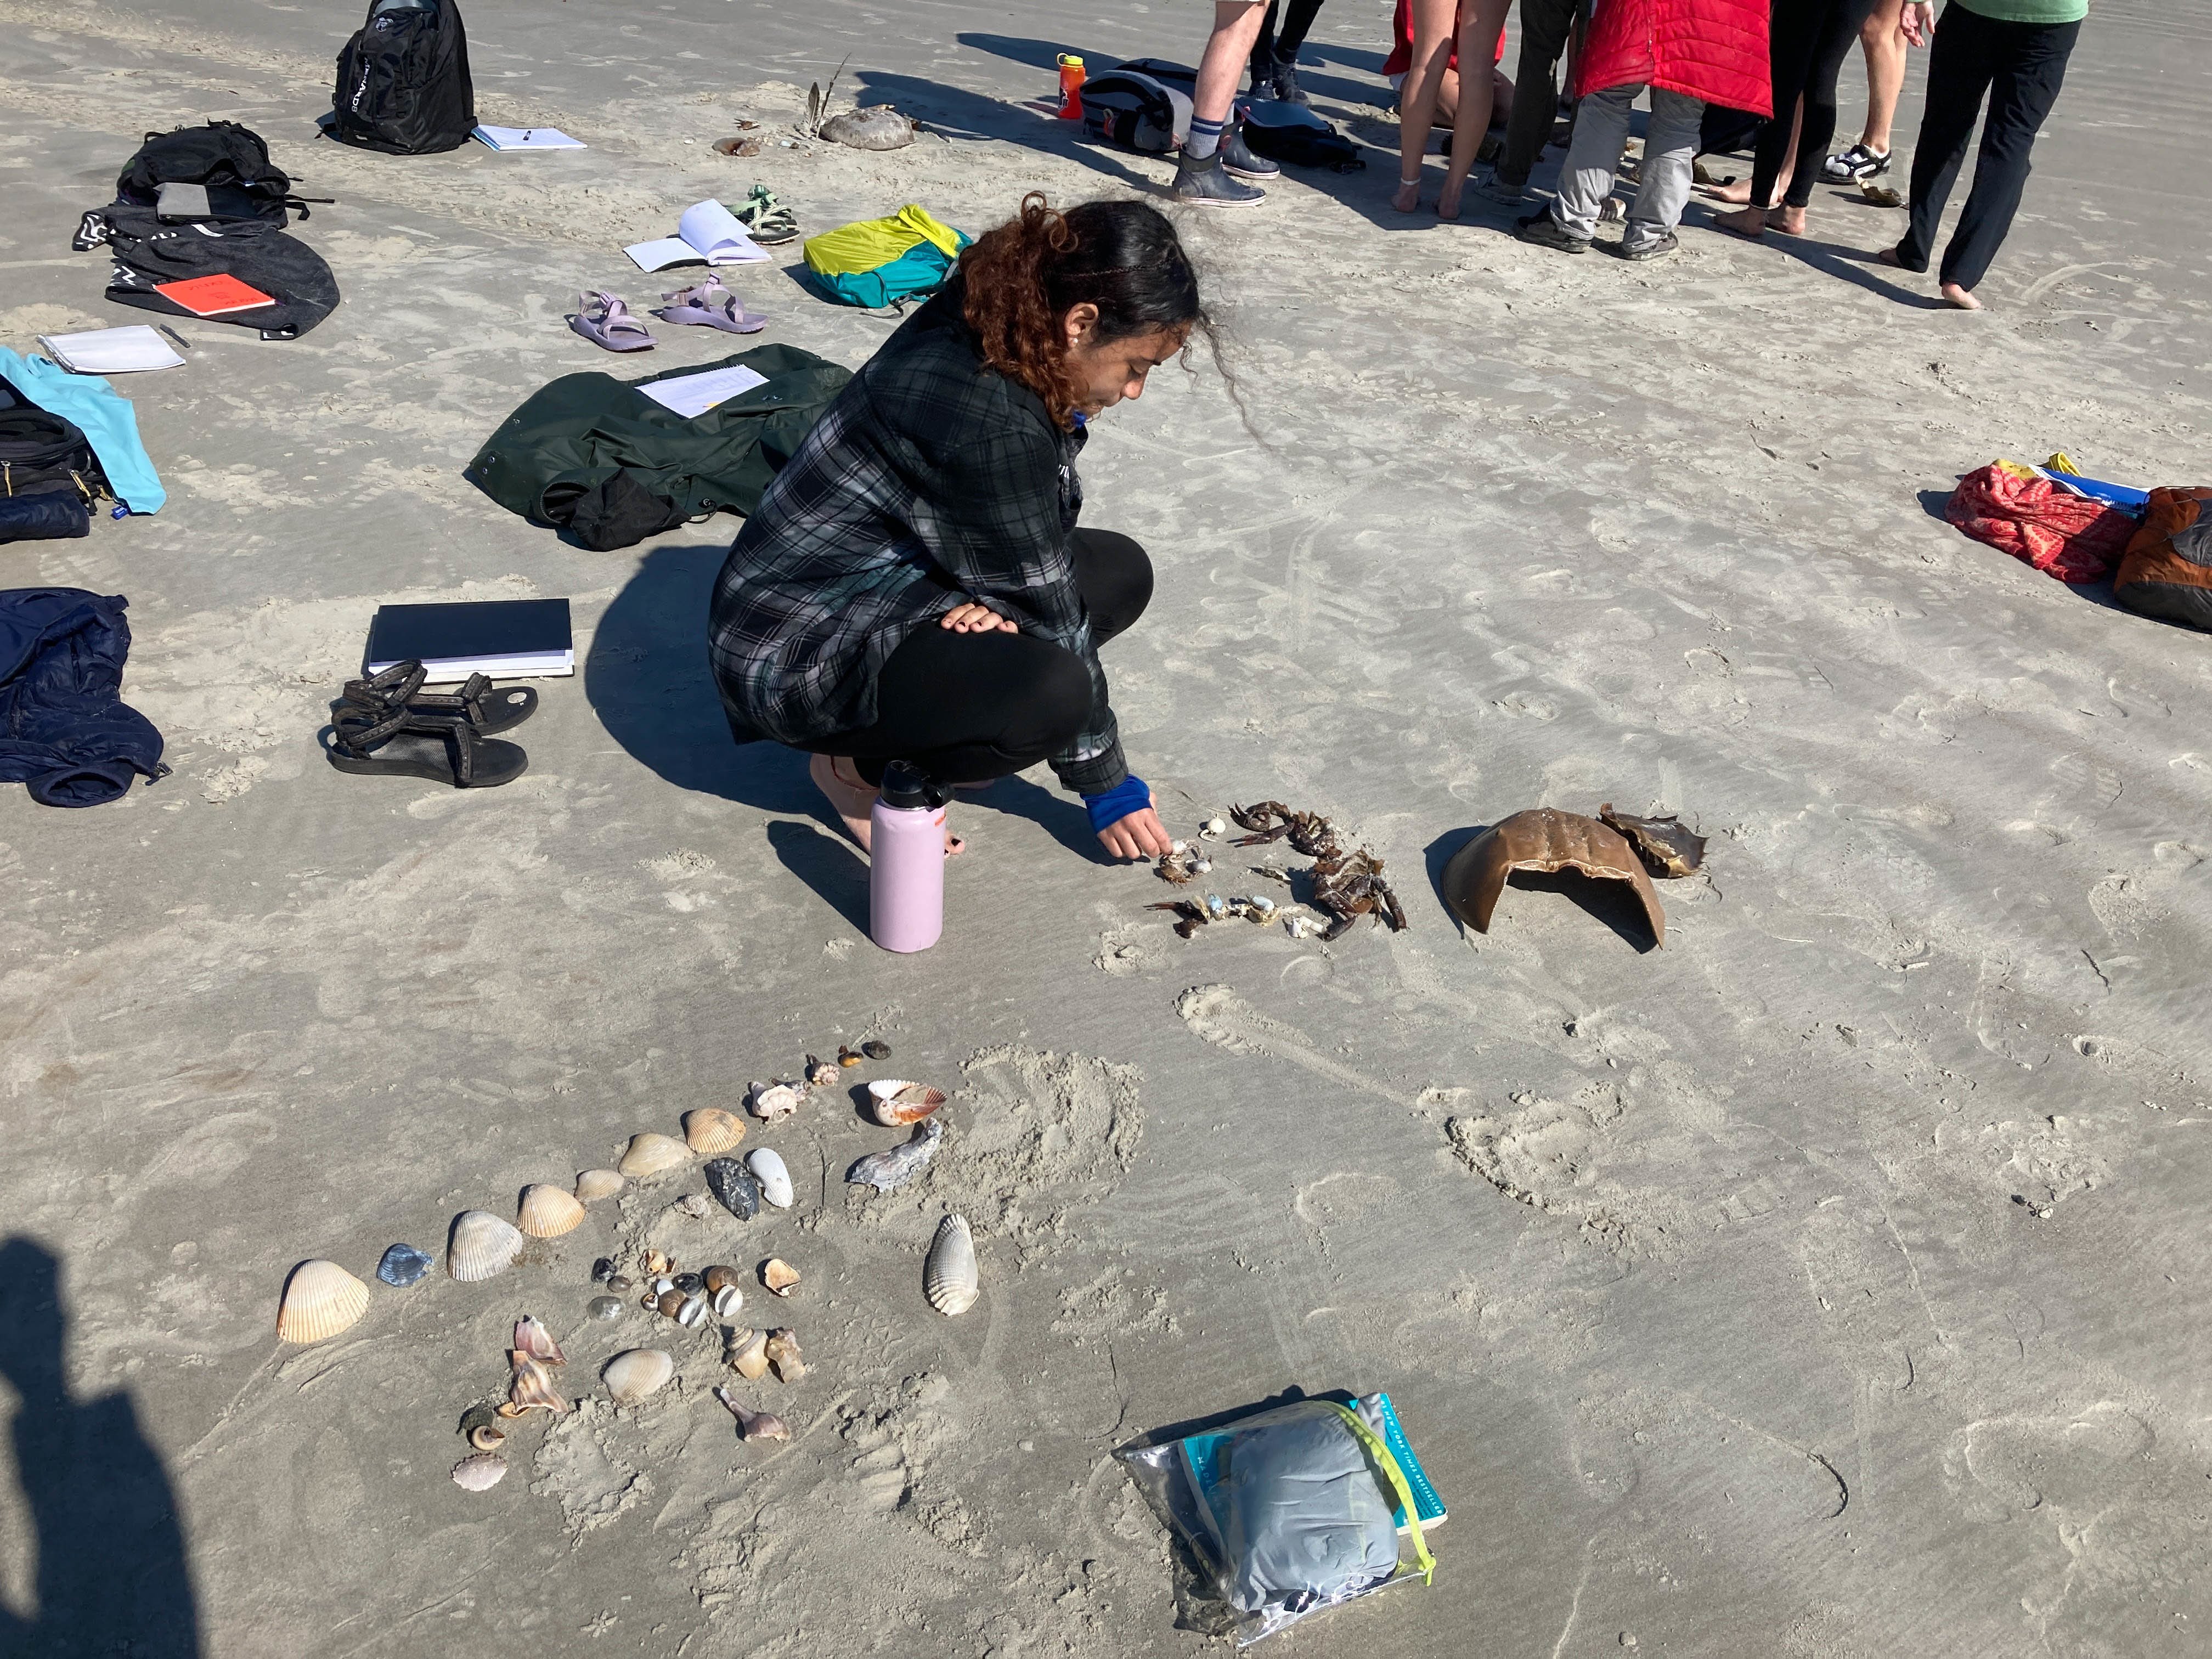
x=1666, y=847
x=479, y=1474
x=548, y=1211
x=321, y=1299
x=650, y=1154
x=592, y=1185
x=768, y=1168
x=949, y=1278
x=481, y=1246
x=877, y=127
x=709, y=1129
x=1545, y=839
x=636, y=1373
x=894, y=1101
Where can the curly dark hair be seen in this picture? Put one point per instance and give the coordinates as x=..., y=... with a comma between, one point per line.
x=1021, y=279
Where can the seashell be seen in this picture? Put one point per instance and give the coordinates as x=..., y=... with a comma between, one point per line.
x=479, y=1474
x=773, y=1102
x=754, y=1425
x=1666, y=847
x=649, y=1154
x=403, y=1264
x=509, y=1408
x=689, y=1284
x=694, y=1205
x=481, y=1246
x=1212, y=829
x=726, y=1301
x=877, y=127
x=632, y=1376
x=487, y=1437
x=949, y=1278
x=782, y=1350
x=1545, y=839
x=734, y=1186
x=779, y=1275
x=670, y=1302
x=592, y=1185
x=887, y=1171
x=693, y=1313
x=321, y=1299
x=747, y=1354
x=661, y=1286
x=548, y=1211
x=651, y=1301
x=603, y=1271
x=709, y=1129
x=531, y=1337
x=715, y=1277
x=531, y=1388
x=618, y=1284
x=657, y=1262
x=604, y=1308
x=875, y=1049
x=767, y=1166
x=895, y=1101
x=849, y=1056
x=477, y=1417
x=820, y=1073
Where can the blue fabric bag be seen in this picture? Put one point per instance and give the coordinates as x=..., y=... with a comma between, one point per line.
x=65, y=729
x=104, y=415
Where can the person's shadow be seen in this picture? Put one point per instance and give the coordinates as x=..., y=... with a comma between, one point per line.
x=112, y=1576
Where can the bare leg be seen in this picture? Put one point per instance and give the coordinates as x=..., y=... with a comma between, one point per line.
x=1236, y=26
x=1754, y=220
x=1883, y=41
x=854, y=800
x=1447, y=102
x=1433, y=32
x=1481, y=20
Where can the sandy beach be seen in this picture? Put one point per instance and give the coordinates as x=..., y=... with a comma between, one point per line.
x=1828, y=1283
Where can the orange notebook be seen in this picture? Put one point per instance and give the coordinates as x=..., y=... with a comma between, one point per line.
x=213, y=297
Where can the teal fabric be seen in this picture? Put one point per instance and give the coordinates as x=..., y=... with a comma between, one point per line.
x=2030, y=11
x=920, y=270
x=110, y=424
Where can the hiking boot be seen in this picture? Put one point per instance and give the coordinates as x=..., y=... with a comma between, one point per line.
x=1286, y=81
x=1665, y=242
x=1543, y=231
x=1207, y=184
x=1240, y=159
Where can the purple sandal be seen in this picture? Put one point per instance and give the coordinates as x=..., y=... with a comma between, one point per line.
x=711, y=305
x=605, y=321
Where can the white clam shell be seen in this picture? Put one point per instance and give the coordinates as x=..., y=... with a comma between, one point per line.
x=592, y=1185
x=766, y=1166
x=548, y=1211
x=631, y=1376
x=481, y=1473
x=648, y=1154
x=949, y=1278
x=481, y=1246
x=321, y=1299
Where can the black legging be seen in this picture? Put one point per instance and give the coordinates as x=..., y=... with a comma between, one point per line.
x=968, y=707
x=1805, y=43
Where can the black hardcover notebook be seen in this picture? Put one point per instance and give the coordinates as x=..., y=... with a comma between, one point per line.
x=503, y=638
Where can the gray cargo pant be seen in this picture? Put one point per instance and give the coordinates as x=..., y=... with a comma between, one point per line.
x=1670, y=146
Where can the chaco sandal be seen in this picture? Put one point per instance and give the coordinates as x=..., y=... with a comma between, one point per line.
x=710, y=306
x=486, y=707
x=442, y=748
x=605, y=321
x=766, y=220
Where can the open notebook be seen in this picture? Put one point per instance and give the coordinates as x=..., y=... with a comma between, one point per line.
x=707, y=231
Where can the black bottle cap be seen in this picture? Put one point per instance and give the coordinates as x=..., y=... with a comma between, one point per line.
x=906, y=786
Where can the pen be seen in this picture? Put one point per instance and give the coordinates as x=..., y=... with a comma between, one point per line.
x=183, y=344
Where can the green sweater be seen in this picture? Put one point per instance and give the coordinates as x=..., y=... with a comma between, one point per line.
x=2029, y=11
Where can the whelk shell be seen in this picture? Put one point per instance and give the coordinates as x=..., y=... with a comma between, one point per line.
x=783, y=1354
x=767, y=1167
x=773, y=1101
x=709, y=1129
x=632, y=1376
x=670, y=1302
x=779, y=1275
x=592, y=1185
x=487, y=1437
x=894, y=1101
x=479, y=1474
x=548, y=1211
x=949, y=1278
x=321, y=1299
x=754, y=1425
x=531, y=1337
x=481, y=1246
x=532, y=1388
x=747, y=1354
x=888, y=1171
x=820, y=1073
x=649, y=1154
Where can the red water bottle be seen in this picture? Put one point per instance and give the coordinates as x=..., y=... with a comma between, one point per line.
x=1071, y=87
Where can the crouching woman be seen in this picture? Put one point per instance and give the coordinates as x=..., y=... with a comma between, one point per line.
x=914, y=587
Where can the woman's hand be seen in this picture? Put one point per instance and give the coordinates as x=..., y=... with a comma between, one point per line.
x=1916, y=23
x=973, y=618
x=1139, y=836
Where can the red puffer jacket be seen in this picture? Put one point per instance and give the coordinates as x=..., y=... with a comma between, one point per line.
x=1715, y=50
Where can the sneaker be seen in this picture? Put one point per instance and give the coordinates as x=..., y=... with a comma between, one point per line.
x=1240, y=159
x=1665, y=242
x=1286, y=81
x=1543, y=231
x=1856, y=162
x=1495, y=189
x=1207, y=184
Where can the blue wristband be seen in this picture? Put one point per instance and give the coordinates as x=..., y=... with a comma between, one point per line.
x=1131, y=795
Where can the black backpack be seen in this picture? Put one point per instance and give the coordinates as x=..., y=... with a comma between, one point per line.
x=149, y=253
x=230, y=160
x=43, y=454
x=1135, y=110
x=403, y=83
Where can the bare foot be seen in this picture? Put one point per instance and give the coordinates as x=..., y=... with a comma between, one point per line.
x=1448, y=200
x=1736, y=191
x=1888, y=256
x=1748, y=222
x=854, y=800
x=1962, y=298
x=1408, y=197
x=1789, y=220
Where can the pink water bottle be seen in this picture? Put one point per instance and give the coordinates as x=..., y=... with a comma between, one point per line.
x=906, y=860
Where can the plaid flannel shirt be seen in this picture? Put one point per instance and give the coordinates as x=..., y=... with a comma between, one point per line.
x=932, y=480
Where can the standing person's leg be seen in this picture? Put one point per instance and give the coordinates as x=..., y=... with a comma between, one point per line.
x=2026, y=86
x=1960, y=65
x=1790, y=41
x=1262, y=61
x=1670, y=150
x=1586, y=177
x=1298, y=18
x=1839, y=28
x=1417, y=101
x=1200, y=178
x=1480, y=23
x=1883, y=42
x=1544, y=25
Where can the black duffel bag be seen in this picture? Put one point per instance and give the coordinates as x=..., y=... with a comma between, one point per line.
x=43, y=454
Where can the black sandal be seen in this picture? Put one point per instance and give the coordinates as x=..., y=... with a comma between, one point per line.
x=486, y=708
x=441, y=747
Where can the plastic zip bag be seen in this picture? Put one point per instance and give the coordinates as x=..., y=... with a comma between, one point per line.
x=1288, y=1512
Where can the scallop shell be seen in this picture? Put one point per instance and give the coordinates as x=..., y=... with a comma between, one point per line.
x=747, y=1354
x=532, y=1388
x=632, y=1376
x=592, y=1185
x=479, y=1474
x=321, y=1299
x=709, y=1130
x=481, y=1246
x=779, y=1275
x=767, y=1164
x=895, y=1101
x=949, y=1278
x=773, y=1101
x=648, y=1154
x=782, y=1350
x=548, y=1211
x=531, y=1337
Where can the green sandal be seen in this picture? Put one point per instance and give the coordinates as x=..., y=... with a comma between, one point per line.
x=766, y=220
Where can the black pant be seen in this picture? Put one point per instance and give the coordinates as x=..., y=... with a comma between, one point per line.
x=2020, y=66
x=1807, y=42
x=967, y=707
x=1271, y=48
x=1544, y=26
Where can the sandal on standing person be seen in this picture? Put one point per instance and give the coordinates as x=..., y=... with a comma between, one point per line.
x=1886, y=46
